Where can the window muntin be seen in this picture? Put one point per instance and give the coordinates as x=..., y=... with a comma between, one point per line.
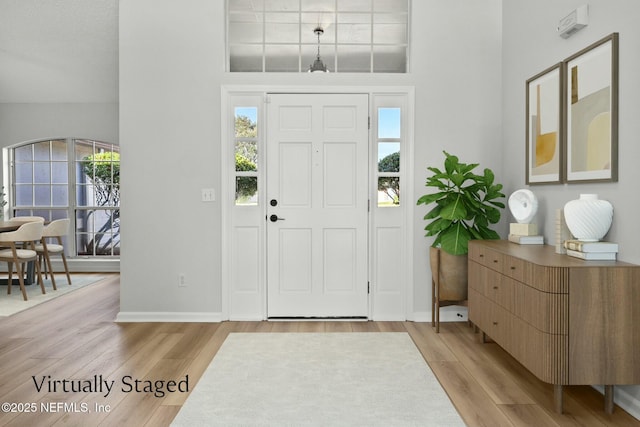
x=363, y=36
x=87, y=189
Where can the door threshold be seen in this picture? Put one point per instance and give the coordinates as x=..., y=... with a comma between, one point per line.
x=318, y=319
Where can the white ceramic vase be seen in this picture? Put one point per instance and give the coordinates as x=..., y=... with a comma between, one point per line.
x=588, y=217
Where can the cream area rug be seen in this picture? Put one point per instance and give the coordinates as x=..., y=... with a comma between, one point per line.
x=14, y=303
x=318, y=379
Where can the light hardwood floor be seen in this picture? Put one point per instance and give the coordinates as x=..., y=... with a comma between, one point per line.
x=74, y=337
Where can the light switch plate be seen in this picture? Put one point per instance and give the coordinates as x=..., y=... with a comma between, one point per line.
x=208, y=195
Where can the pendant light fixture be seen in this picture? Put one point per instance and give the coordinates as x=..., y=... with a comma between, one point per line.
x=318, y=65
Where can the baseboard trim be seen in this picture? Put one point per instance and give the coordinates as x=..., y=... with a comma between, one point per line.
x=447, y=314
x=176, y=317
x=624, y=399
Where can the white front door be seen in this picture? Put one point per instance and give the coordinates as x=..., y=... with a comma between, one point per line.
x=317, y=205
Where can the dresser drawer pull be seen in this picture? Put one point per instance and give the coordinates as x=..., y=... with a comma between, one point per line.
x=513, y=267
x=481, y=255
x=495, y=260
x=495, y=323
x=495, y=287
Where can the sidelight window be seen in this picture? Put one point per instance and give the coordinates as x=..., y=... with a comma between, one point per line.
x=389, y=139
x=246, y=155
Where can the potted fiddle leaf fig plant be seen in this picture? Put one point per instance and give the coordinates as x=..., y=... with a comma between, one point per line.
x=465, y=204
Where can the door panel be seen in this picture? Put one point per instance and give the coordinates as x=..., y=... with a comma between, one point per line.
x=340, y=175
x=295, y=174
x=317, y=176
x=295, y=260
x=340, y=260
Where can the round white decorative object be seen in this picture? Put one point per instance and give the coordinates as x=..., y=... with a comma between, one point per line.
x=588, y=218
x=523, y=205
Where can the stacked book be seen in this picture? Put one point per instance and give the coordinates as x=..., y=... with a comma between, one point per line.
x=592, y=250
x=525, y=234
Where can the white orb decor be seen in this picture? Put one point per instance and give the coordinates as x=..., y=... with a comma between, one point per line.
x=523, y=205
x=588, y=218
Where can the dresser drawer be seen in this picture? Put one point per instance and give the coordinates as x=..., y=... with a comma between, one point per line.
x=547, y=312
x=505, y=264
x=492, y=285
x=514, y=267
x=492, y=319
x=544, y=354
x=487, y=257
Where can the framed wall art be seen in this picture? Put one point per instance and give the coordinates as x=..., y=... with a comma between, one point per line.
x=591, y=100
x=544, y=151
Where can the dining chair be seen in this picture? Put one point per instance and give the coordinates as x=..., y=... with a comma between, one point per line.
x=27, y=219
x=23, y=219
x=28, y=233
x=53, y=231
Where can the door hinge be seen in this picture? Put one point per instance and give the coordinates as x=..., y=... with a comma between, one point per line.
x=368, y=288
x=369, y=205
x=369, y=122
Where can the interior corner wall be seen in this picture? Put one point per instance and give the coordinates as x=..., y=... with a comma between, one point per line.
x=530, y=45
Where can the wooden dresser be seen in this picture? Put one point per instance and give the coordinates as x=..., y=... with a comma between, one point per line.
x=567, y=320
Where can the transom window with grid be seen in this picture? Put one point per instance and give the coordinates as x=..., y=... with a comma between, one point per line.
x=357, y=36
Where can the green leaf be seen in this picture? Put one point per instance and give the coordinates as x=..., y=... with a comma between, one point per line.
x=437, y=226
x=455, y=240
x=492, y=214
x=433, y=213
x=458, y=179
x=430, y=198
x=455, y=209
x=487, y=233
x=497, y=204
x=488, y=177
x=451, y=164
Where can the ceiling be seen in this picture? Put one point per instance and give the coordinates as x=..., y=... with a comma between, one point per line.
x=58, y=51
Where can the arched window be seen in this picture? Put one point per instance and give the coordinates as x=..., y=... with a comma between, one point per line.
x=71, y=178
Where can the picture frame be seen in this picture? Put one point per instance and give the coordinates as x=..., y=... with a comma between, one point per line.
x=591, y=112
x=544, y=130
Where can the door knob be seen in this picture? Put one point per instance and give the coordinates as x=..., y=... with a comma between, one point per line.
x=273, y=202
x=274, y=218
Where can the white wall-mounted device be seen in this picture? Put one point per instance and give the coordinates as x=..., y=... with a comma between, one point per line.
x=573, y=22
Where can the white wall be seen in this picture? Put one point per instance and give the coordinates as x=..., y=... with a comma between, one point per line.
x=171, y=71
x=531, y=44
x=30, y=121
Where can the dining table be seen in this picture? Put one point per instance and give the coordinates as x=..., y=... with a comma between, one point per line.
x=6, y=226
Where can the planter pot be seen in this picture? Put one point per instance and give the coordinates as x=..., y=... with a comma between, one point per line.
x=452, y=269
x=588, y=218
x=449, y=281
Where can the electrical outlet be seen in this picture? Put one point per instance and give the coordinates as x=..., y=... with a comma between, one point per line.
x=182, y=282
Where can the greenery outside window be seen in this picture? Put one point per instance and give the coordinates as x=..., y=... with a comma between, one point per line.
x=246, y=155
